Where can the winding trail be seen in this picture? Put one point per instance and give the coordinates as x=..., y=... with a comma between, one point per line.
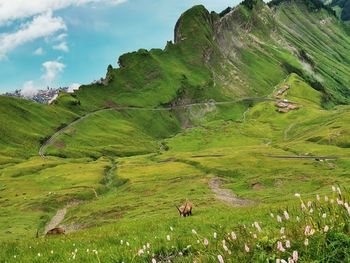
x=58, y=218
x=226, y=195
x=212, y=102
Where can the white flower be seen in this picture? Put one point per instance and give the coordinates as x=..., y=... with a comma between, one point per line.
x=215, y=235
x=257, y=226
x=338, y=189
x=121, y=242
x=287, y=244
x=194, y=232
x=324, y=215
x=220, y=258
x=279, y=219
x=127, y=243
x=333, y=188
x=326, y=198
x=246, y=248
x=171, y=228
x=233, y=235
x=306, y=242
x=168, y=237
x=297, y=195
x=282, y=230
x=39, y=255
x=154, y=260
x=326, y=228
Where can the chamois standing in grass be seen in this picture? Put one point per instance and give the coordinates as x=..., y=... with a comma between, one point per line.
x=185, y=210
x=56, y=231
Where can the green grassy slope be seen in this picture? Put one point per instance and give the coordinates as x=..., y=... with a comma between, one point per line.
x=125, y=169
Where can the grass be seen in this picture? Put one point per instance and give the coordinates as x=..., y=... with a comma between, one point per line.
x=128, y=168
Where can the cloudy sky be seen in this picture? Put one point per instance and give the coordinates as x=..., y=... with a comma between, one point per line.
x=70, y=42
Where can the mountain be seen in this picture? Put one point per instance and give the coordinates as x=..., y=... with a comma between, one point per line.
x=342, y=7
x=241, y=111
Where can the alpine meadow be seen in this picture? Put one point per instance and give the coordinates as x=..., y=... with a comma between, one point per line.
x=231, y=144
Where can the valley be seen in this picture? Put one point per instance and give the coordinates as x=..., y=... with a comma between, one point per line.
x=243, y=113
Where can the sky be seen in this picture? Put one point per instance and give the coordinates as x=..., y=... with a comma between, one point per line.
x=65, y=43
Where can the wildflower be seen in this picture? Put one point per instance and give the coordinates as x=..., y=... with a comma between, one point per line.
x=220, y=258
x=225, y=247
x=339, y=202
x=346, y=205
x=51, y=251
x=233, y=235
x=338, y=189
x=311, y=211
x=154, y=260
x=280, y=246
x=171, y=228
x=290, y=260
x=295, y=256
x=278, y=260
x=297, y=195
x=127, y=243
x=14, y=256
x=121, y=242
x=255, y=236
x=198, y=241
x=272, y=215
x=283, y=261
x=306, y=242
x=307, y=230
x=326, y=228
x=286, y=215
x=349, y=211
x=318, y=198
x=309, y=204
x=287, y=244
x=194, y=232
x=144, y=247
x=140, y=252
x=326, y=198
x=39, y=255
x=148, y=245
x=333, y=188
x=247, y=249
x=279, y=219
x=180, y=254
x=282, y=230
x=206, y=242
x=324, y=215
x=168, y=237
x=303, y=207
x=215, y=235
x=256, y=224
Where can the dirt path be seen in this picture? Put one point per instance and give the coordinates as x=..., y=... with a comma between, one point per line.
x=58, y=218
x=226, y=195
x=61, y=131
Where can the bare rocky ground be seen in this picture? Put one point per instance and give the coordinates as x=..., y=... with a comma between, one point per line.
x=226, y=195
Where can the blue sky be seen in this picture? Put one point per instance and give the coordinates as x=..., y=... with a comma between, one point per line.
x=66, y=42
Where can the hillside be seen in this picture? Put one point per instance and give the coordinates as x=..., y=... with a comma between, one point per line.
x=342, y=8
x=241, y=111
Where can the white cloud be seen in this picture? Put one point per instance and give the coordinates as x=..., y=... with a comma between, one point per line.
x=29, y=90
x=73, y=87
x=52, y=69
x=61, y=37
x=41, y=26
x=11, y=10
x=62, y=46
x=39, y=51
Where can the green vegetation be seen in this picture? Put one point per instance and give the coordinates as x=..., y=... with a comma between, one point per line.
x=186, y=123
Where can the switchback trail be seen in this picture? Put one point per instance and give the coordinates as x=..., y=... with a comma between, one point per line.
x=184, y=106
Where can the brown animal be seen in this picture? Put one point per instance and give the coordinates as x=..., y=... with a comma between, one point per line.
x=185, y=210
x=56, y=231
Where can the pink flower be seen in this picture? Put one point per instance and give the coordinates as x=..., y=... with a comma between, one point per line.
x=206, y=242
x=339, y=202
x=307, y=230
x=280, y=246
x=286, y=215
x=220, y=258
x=295, y=256
x=290, y=260
x=247, y=249
x=287, y=244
